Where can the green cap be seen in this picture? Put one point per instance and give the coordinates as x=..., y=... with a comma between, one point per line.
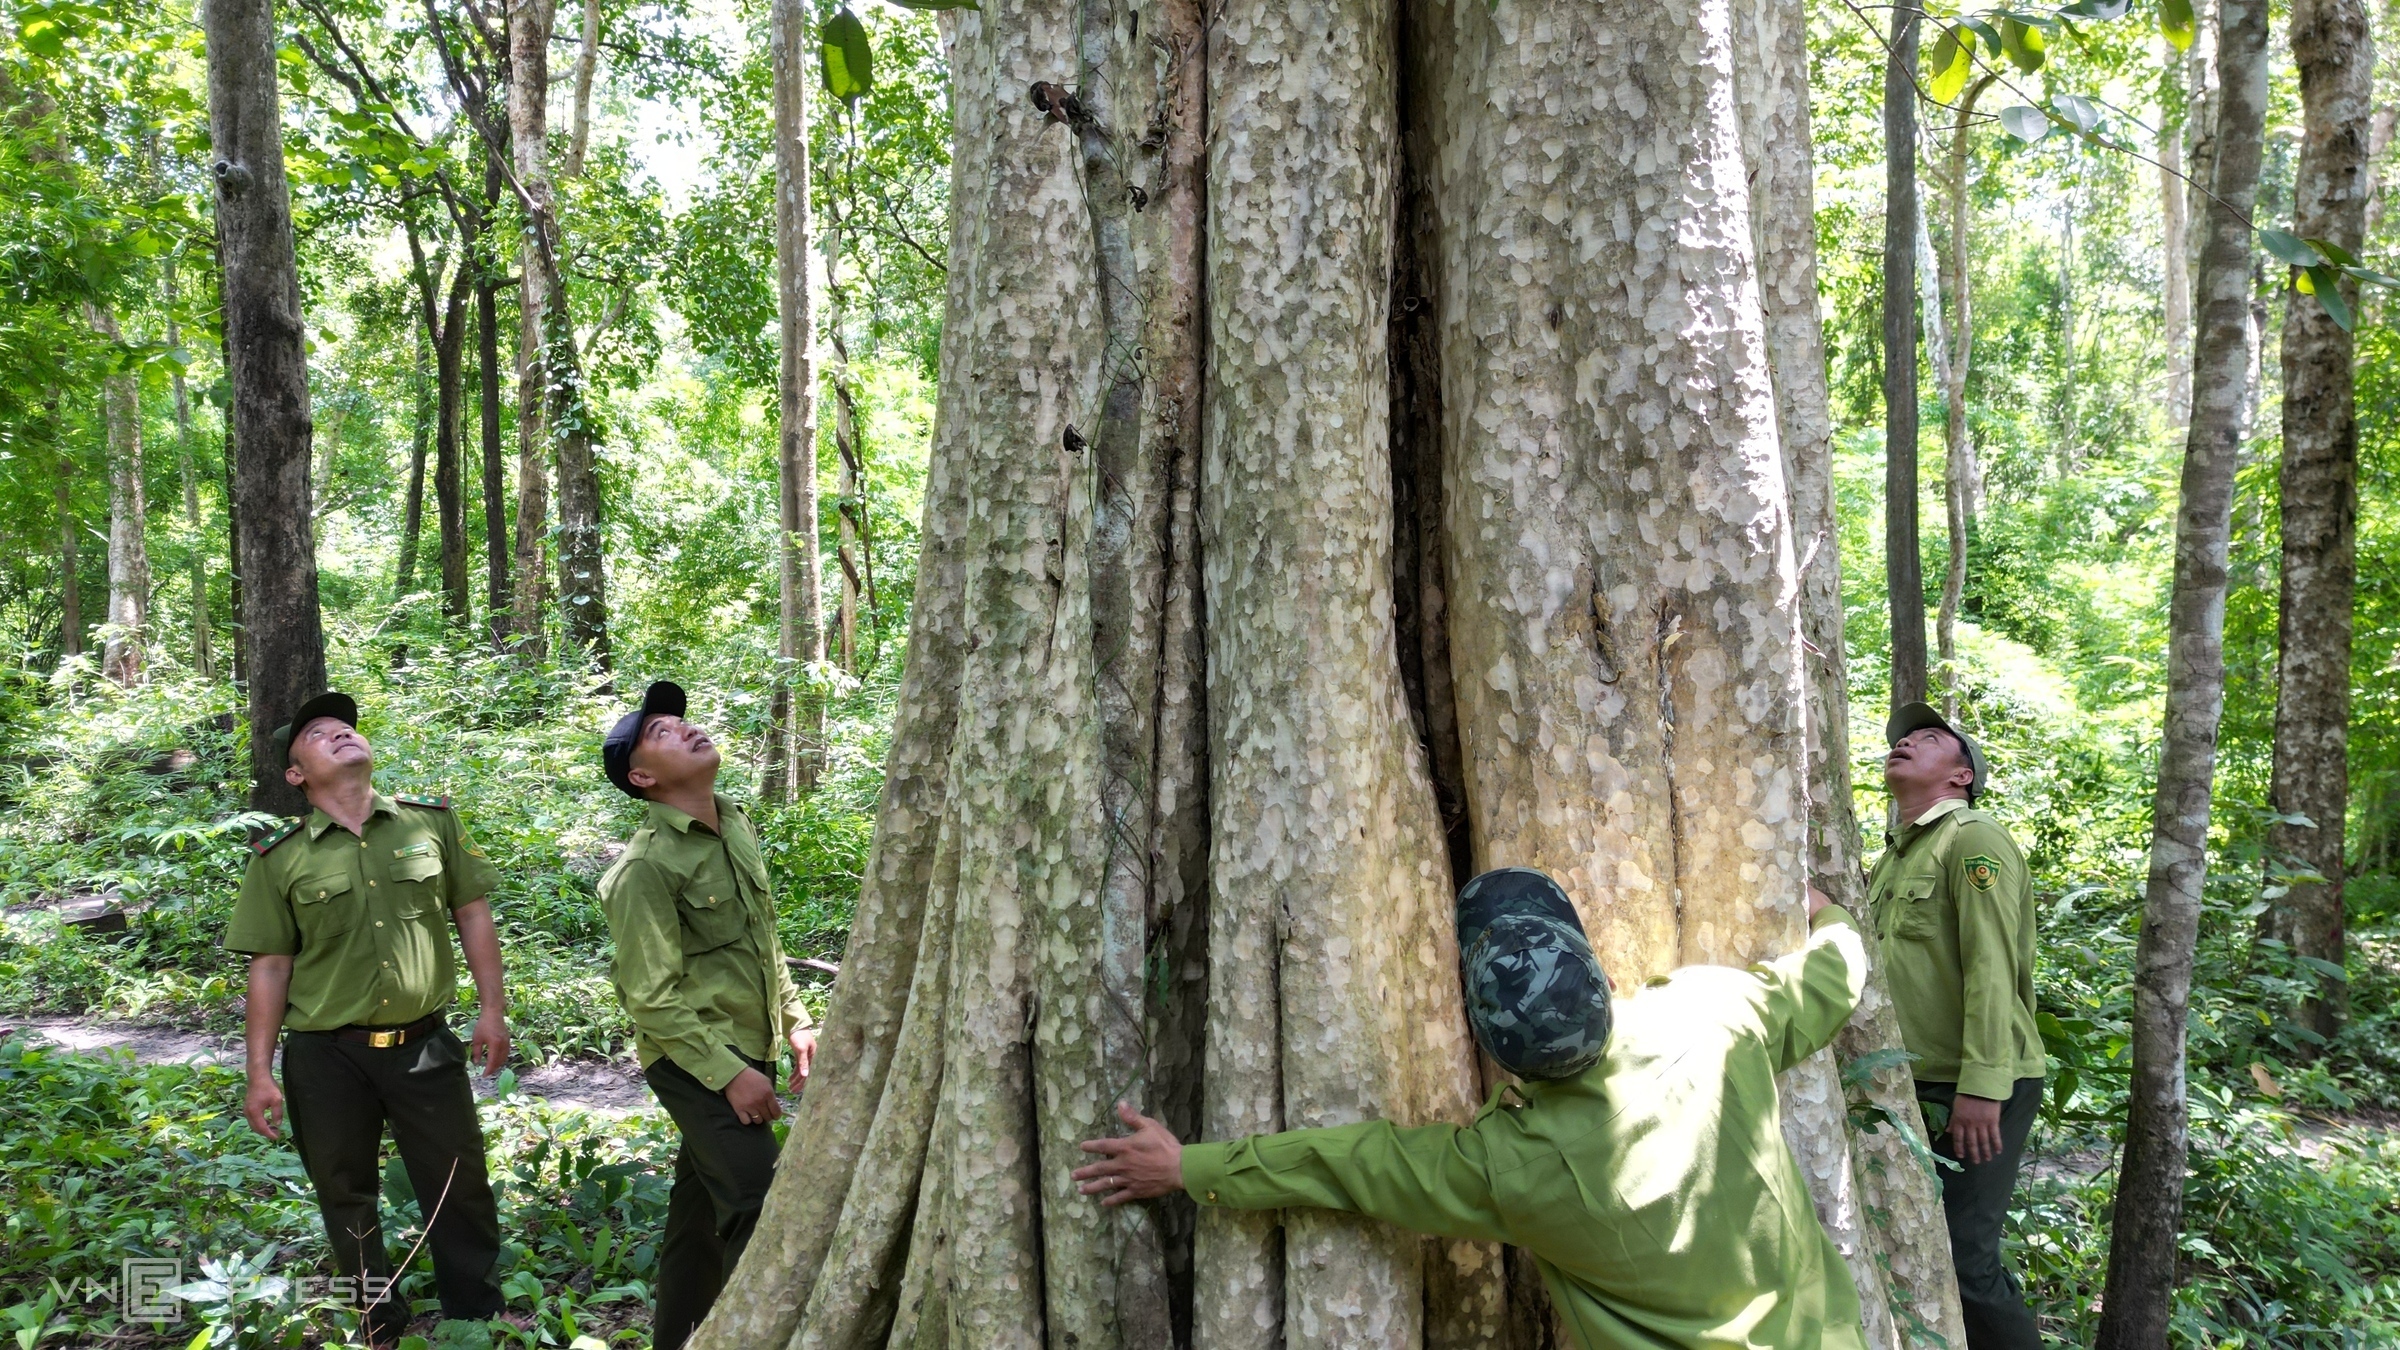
x=1912, y=717
x=340, y=707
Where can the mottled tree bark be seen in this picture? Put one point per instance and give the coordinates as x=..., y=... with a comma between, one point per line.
x=2336, y=56
x=1903, y=564
x=497, y=591
x=2149, y=1207
x=1479, y=491
x=2174, y=249
x=579, y=118
x=796, y=730
x=529, y=23
x=266, y=363
x=125, y=633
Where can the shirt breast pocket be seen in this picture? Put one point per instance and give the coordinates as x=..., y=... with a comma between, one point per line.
x=324, y=906
x=709, y=921
x=420, y=874
x=1913, y=908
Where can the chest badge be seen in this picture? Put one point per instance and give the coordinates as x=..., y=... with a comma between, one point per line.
x=1983, y=872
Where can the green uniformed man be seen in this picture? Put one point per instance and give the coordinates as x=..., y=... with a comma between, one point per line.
x=701, y=974
x=346, y=915
x=1953, y=907
x=1645, y=1168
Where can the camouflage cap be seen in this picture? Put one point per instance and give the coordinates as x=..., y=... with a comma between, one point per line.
x=1535, y=995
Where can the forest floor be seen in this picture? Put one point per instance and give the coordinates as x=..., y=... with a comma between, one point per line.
x=607, y=1087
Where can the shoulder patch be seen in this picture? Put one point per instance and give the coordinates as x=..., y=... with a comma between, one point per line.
x=1983, y=871
x=435, y=803
x=265, y=843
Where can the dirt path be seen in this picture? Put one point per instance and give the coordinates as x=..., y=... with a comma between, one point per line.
x=577, y=1084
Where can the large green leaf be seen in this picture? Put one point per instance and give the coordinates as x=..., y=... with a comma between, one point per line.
x=2027, y=124
x=2323, y=282
x=1948, y=66
x=848, y=61
x=2023, y=44
x=2175, y=23
x=2288, y=248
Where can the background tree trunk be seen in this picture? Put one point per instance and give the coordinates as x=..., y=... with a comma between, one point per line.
x=587, y=64
x=582, y=549
x=529, y=23
x=1903, y=565
x=487, y=400
x=204, y=663
x=2336, y=56
x=412, y=517
x=796, y=731
x=449, y=496
x=2175, y=250
x=126, y=631
x=2149, y=1204
x=70, y=584
x=1960, y=472
x=269, y=373
x=854, y=550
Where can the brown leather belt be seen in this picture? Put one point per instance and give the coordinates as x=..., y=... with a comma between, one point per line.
x=383, y=1038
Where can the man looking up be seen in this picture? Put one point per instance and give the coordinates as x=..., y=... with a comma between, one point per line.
x=344, y=915
x=1643, y=1167
x=1953, y=907
x=701, y=974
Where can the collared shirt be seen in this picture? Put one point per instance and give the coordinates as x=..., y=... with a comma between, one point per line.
x=365, y=917
x=698, y=966
x=1654, y=1190
x=1952, y=904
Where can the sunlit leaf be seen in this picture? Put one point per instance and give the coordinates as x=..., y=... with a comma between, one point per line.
x=2080, y=112
x=2324, y=282
x=2025, y=123
x=2332, y=252
x=2100, y=10
x=846, y=57
x=1948, y=66
x=2175, y=23
x=2023, y=44
x=1983, y=29
x=44, y=38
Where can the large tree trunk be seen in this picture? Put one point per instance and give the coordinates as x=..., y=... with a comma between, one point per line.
x=127, y=628
x=269, y=372
x=204, y=663
x=449, y=496
x=1903, y=564
x=582, y=548
x=1900, y=1199
x=1498, y=537
x=797, y=727
x=487, y=405
x=2336, y=55
x=2149, y=1204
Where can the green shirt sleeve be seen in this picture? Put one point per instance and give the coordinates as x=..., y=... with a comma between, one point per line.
x=640, y=904
x=1430, y=1178
x=1987, y=881
x=471, y=874
x=262, y=918
x=787, y=993
x=1805, y=997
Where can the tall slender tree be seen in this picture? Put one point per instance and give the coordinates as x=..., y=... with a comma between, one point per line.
x=796, y=729
x=125, y=633
x=2335, y=51
x=1961, y=473
x=486, y=260
x=268, y=368
x=2142, y=1256
x=2175, y=249
x=1903, y=563
x=204, y=661
x=70, y=583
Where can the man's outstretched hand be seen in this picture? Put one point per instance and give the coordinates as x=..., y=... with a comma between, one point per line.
x=1143, y=1165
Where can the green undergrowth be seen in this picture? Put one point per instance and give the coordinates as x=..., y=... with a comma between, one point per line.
x=103, y=1161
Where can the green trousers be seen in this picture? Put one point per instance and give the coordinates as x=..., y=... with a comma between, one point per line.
x=338, y=1096
x=721, y=1177
x=1975, y=1200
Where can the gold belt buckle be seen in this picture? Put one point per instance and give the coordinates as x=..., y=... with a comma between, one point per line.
x=384, y=1040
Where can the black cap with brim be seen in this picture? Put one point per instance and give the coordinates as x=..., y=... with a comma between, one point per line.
x=663, y=697
x=340, y=707
x=1914, y=717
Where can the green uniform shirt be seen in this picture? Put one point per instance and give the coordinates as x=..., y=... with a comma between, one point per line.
x=698, y=966
x=1654, y=1189
x=1954, y=908
x=365, y=917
